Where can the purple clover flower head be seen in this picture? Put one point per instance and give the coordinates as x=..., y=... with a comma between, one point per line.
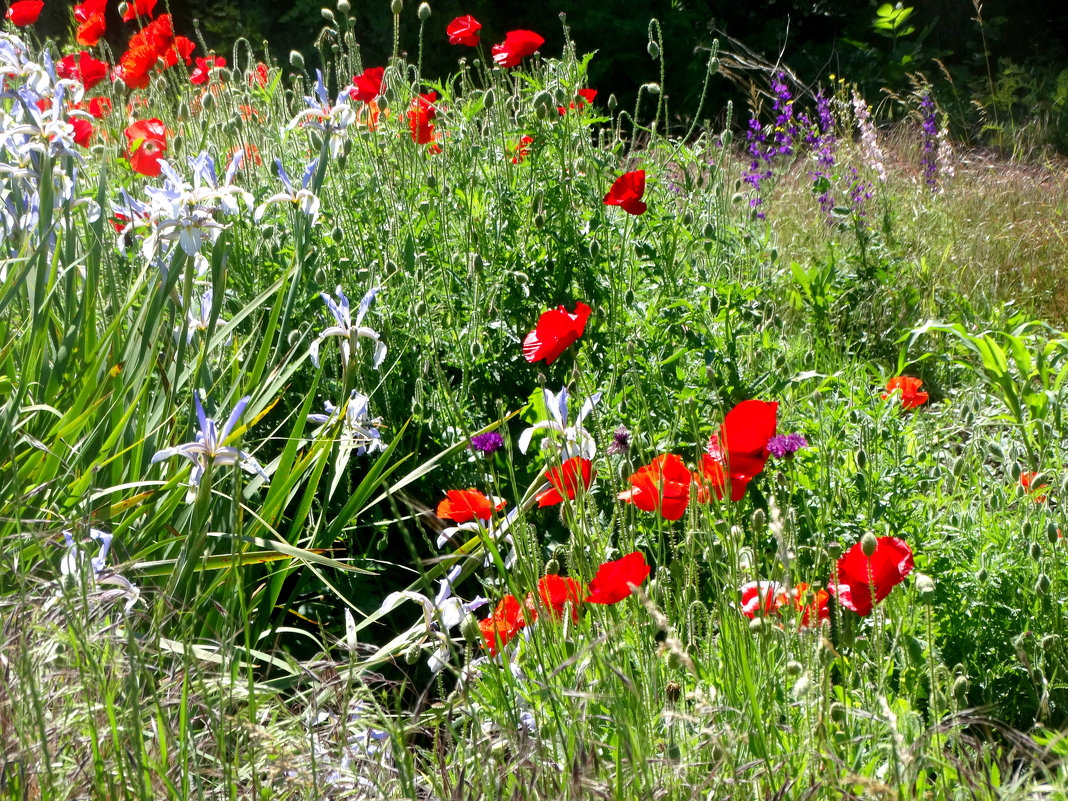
x=783, y=446
x=620, y=441
x=488, y=443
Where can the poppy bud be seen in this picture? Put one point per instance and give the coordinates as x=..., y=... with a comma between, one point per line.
x=1052, y=533
x=628, y=298
x=713, y=67
x=469, y=628
x=123, y=9
x=868, y=544
x=544, y=105
x=653, y=49
x=1042, y=584
x=595, y=248
x=411, y=656
x=1036, y=551
x=1050, y=642
x=539, y=221
x=758, y=520
x=552, y=568
x=344, y=7
x=521, y=278
x=477, y=350
x=420, y=309
x=177, y=143
x=958, y=466
x=337, y=234
x=834, y=549
x=489, y=99
x=838, y=712
x=801, y=687
x=296, y=59
x=612, y=102
x=982, y=575
x=1025, y=529
x=293, y=338
x=756, y=625
x=1015, y=471
x=960, y=689
x=726, y=138
x=915, y=649
x=925, y=588
x=862, y=459
x=396, y=7
x=652, y=88
x=424, y=11
x=328, y=15
x=793, y=668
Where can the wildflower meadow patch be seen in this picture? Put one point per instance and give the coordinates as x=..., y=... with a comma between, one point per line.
x=375, y=434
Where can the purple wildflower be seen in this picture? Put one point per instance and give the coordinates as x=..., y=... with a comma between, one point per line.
x=821, y=138
x=620, y=441
x=487, y=443
x=929, y=162
x=785, y=124
x=784, y=445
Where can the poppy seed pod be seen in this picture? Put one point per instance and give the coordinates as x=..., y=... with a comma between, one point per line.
x=868, y=543
x=1052, y=533
x=296, y=59
x=396, y=7
x=925, y=588
x=424, y=11
x=1042, y=584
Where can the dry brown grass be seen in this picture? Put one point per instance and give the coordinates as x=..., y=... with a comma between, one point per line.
x=997, y=231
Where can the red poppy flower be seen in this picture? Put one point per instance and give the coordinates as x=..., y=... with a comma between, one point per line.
x=83, y=131
x=911, y=397
x=556, y=592
x=555, y=332
x=420, y=113
x=83, y=68
x=612, y=582
x=146, y=142
x=135, y=65
x=139, y=8
x=507, y=619
x=260, y=75
x=739, y=451
x=204, y=67
x=662, y=486
x=158, y=34
x=764, y=597
x=565, y=480
x=367, y=85
x=99, y=107
x=91, y=22
x=1027, y=481
x=585, y=98
x=522, y=150
x=857, y=574
x=25, y=12
x=812, y=604
x=627, y=192
x=466, y=505
x=516, y=46
x=252, y=155
x=464, y=31
x=181, y=48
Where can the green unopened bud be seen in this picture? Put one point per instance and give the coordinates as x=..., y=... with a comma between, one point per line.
x=915, y=650
x=713, y=66
x=544, y=105
x=628, y=298
x=552, y=568
x=1050, y=642
x=469, y=628
x=123, y=9
x=726, y=138
x=178, y=142
x=1036, y=551
x=834, y=549
x=1015, y=471
x=982, y=575
x=794, y=668
x=653, y=49
x=687, y=218
x=801, y=688
x=424, y=11
x=862, y=458
x=344, y=7
x=337, y=234
x=1052, y=533
x=612, y=102
x=925, y=588
x=958, y=466
x=1042, y=584
x=207, y=101
x=759, y=520
x=756, y=625
x=652, y=88
x=489, y=99
x=432, y=181
x=1025, y=529
x=838, y=712
x=595, y=248
x=868, y=544
x=411, y=656
x=960, y=689
x=296, y=59
x=328, y=15
x=521, y=278
x=420, y=308
x=396, y=7
x=293, y=337
x=995, y=451
x=477, y=350
x=539, y=221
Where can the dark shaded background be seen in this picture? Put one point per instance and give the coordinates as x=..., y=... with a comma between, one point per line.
x=815, y=37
